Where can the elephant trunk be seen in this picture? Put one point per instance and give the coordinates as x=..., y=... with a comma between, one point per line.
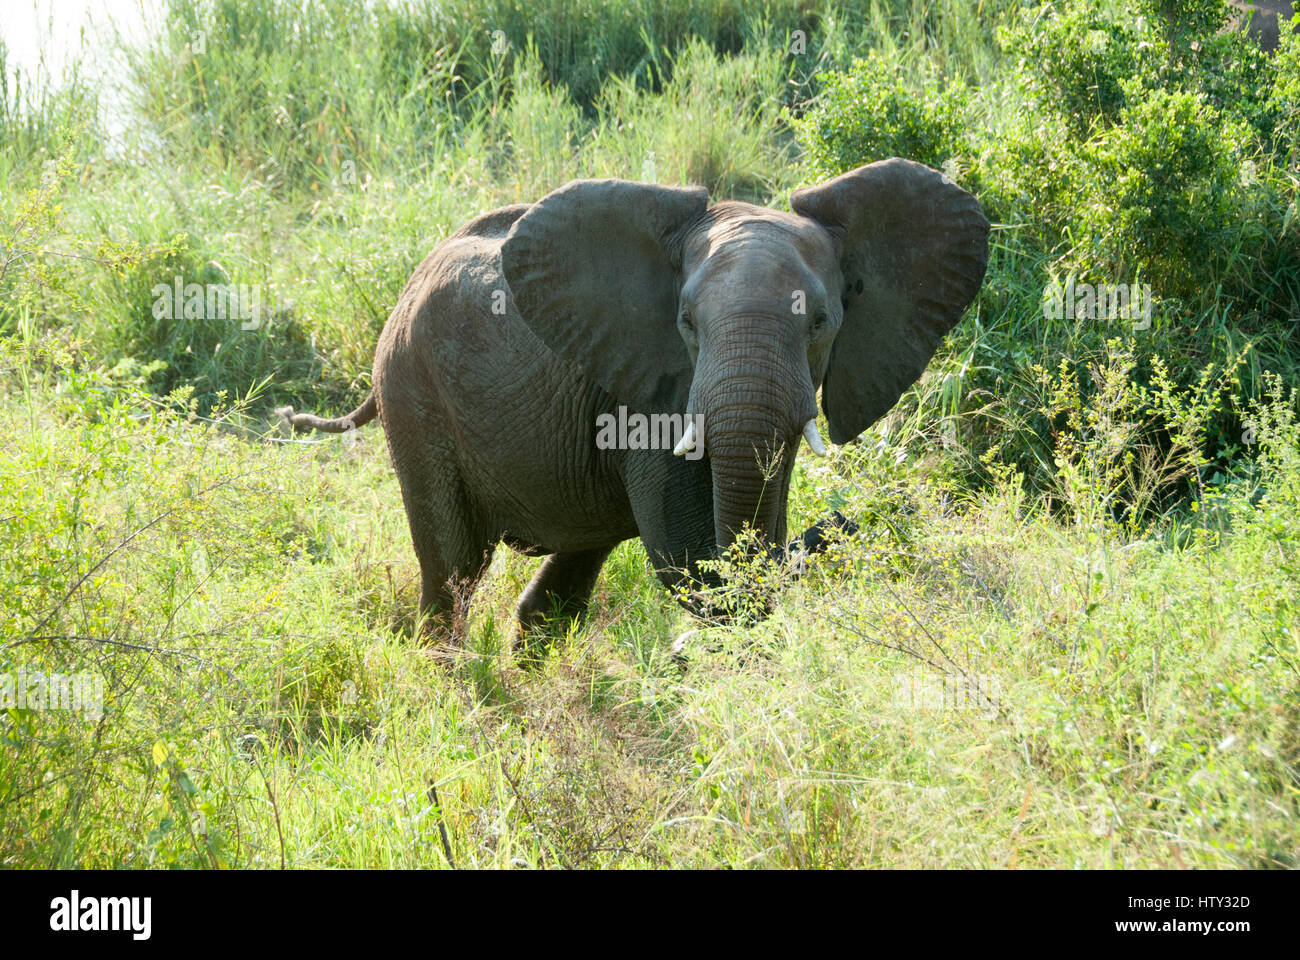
x=752, y=427
x=745, y=492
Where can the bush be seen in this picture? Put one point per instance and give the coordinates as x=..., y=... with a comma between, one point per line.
x=1162, y=196
x=1147, y=160
x=1237, y=78
x=871, y=113
x=1284, y=98
x=1075, y=62
x=1184, y=24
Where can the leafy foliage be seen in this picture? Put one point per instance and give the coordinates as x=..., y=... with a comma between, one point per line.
x=870, y=113
x=1160, y=196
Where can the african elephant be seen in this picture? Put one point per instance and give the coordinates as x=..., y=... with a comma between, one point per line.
x=520, y=337
x=1262, y=19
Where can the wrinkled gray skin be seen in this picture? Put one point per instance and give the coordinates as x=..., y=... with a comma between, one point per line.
x=627, y=293
x=1262, y=19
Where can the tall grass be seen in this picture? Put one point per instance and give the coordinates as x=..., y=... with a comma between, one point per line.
x=968, y=683
x=293, y=90
x=37, y=110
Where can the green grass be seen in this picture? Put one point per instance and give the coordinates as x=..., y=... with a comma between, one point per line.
x=248, y=606
x=1069, y=518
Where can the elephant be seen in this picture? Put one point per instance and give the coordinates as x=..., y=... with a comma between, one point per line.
x=1262, y=19
x=525, y=335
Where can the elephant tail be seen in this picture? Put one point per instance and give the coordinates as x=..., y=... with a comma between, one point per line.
x=309, y=421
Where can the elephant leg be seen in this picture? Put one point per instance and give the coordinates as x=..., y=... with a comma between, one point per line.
x=446, y=585
x=450, y=545
x=672, y=502
x=562, y=585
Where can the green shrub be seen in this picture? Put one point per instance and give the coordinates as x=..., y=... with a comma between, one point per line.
x=1183, y=25
x=1237, y=78
x=871, y=112
x=1026, y=176
x=1074, y=62
x=1162, y=196
x=1140, y=163
x=1284, y=97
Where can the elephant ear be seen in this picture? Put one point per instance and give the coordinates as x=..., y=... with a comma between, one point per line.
x=914, y=247
x=593, y=271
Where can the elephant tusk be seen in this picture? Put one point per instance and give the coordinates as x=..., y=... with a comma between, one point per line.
x=679, y=645
x=814, y=438
x=687, y=442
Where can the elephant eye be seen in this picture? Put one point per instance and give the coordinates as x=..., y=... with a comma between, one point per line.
x=686, y=320
x=819, y=320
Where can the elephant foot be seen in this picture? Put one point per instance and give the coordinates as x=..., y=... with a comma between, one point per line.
x=532, y=636
x=441, y=637
x=528, y=644
x=556, y=598
x=817, y=539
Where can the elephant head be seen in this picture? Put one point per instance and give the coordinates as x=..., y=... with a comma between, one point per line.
x=740, y=313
